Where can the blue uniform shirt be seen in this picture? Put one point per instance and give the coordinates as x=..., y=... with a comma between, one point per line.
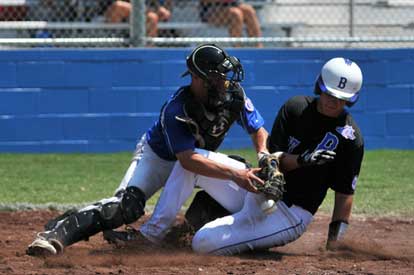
x=168, y=136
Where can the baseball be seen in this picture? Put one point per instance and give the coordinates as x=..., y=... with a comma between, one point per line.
x=268, y=206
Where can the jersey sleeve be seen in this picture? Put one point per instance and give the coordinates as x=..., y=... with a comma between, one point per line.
x=347, y=170
x=250, y=118
x=278, y=139
x=177, y=134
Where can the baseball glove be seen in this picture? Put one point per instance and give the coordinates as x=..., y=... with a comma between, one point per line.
x=274, y=181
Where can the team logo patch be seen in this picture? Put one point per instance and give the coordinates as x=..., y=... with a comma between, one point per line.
x=354, y=182
x=249, y=105
x=347, y=132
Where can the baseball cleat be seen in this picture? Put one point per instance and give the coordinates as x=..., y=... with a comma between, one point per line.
x=42, y=246
x=130, y=236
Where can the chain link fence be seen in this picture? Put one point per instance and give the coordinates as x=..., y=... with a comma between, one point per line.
x=179, y=23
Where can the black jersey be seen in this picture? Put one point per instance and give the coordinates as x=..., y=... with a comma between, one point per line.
x=300, y=127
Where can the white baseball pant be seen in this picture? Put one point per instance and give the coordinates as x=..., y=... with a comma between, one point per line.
x=147, y=170
x=252, y=228
x=179, y=188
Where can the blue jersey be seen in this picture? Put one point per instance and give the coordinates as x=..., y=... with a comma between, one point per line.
x=168, y=136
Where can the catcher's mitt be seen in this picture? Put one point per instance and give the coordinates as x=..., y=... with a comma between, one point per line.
x=274, y=181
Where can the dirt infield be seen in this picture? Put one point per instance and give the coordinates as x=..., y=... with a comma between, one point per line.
x=373, y=246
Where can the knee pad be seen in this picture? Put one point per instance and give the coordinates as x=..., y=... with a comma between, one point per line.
x=127, y=208
x=132, y=204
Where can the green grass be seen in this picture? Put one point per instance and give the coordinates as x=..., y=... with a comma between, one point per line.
x=385, y=186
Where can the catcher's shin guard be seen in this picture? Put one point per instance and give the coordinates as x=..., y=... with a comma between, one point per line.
x=126, y=207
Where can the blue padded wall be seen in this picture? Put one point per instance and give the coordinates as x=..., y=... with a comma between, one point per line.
x=90, y=100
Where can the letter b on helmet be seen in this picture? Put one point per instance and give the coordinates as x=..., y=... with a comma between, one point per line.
x=342, y=82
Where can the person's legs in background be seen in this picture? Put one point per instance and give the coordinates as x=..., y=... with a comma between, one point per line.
x=234, y=17
x=118, y=12
x=234, y=21
x=152, y=24
x=251, y=21
x=231, y=17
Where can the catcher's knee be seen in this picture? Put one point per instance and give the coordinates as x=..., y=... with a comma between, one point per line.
x=132, y=204
x=128, y=208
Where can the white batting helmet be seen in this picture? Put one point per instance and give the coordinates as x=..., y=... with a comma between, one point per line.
x=341, y=78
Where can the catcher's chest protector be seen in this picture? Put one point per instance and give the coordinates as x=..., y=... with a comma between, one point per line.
x=209, y=128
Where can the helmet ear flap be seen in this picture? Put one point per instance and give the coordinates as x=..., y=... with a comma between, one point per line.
x=353, y=100
x=317, y=89
x=350, y=104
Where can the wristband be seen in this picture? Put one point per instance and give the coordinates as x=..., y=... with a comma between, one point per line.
x=304, y=159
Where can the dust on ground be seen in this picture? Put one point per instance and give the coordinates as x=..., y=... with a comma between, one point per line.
x=372, y=246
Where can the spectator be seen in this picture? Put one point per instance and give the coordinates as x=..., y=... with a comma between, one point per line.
x=233, y=14
x=120, y=10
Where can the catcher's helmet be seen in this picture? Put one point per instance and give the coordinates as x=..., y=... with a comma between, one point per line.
x=210, y=61
x=341, y=78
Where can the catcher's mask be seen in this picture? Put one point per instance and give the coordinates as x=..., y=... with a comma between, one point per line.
x=340, y=78
x=217, y=69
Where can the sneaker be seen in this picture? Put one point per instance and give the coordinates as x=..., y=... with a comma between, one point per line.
x=127, y=237
x=43, y=246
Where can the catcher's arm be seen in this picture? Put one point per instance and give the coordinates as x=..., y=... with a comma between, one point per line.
x=201, y=165
x=340, y=218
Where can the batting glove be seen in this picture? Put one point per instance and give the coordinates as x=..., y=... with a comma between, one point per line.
x=318, y=157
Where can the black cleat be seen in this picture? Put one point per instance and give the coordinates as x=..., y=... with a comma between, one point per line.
x=128, y=237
